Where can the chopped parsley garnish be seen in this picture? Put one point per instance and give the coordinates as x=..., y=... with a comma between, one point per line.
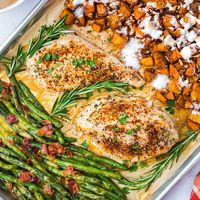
x=171, y=103
x=135, y=147
x=47, y=56
x=133, y=168
x=57, y=76
x=84, y=144
x=115, y=128
x=39, y=61
x=141, y=88
x=55, y=57
x=123, y=118
x=138, y=127
x=127, y=89
x=78, y=62
x=125, y=190
x=89, y=94
x=49, y=70
x=134, y=87
x=58, y=64
x=109, y=39
x=130, y=132
x=170, y=110
x=143, y=164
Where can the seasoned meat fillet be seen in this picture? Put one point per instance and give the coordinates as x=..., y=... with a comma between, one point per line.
x=127, y=127
x=72, y=62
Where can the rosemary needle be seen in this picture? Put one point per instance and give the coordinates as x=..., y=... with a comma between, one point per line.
x=157, y=169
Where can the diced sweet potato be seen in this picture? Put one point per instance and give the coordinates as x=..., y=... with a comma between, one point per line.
x=173, y=2
x=89, y=8
x=195, y=116
x=177, y=33
x=149, y=74
x=167, y=20
x=173, y=56
x=113, y=20
x=148, y=61
x=100, y=21
x=97, y=28
x=131, y=2
x=124, y=11
x=138, y=32
x=81, y=21
x=193, y=126
x=174, y=87
x=198, y=61
x=119, y=40
x=164, y=70
x=180, y=101
x=70, y=16
x=160, y=47
x=186, y=90
x=160, y=97
x=173, y=72
x=195, y=94
x=159, y=59
x=190, y=70
x=138, y=12
x=170, y=95
x=188, y=105
x=101, y=10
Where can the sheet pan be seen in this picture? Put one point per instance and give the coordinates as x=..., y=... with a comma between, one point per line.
x=31, y=18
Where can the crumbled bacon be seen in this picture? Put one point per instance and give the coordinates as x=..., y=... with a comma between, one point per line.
x=46, y=122
x=26, y=142
x=72, y=186
x=46, y=130
x=25, y=109
x=26, y=176
x=56, y=149
x=1, y=143
x=6, y=85
x=69, y=171
x=69, y=154
x=11, y=119
x=44, y=149
x=29, y=161
x=48, y=190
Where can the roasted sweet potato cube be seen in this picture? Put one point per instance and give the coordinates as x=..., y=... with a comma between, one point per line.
x=173, y=72
x=160, y=97
x=168, y=20
x=81, y=21
x=170, y=95
x=177, y=32
x=100, y=21
x=174, y=87
x=190, y=70
x=139, y=33
x=101, y=10
x=159, y=59
x=195, y=94
x=149, y=74
x=180, y=101
x=173, y=2
x=113, y=20
x=124, y=11
x=195, y=116
x=188, y=105
x=198, y=61
x=131, y=2
x=69, y=4
x=193, y=126
x=148, y=61
x=119, y=40
x=160, y=47
x=97, y=28
x=89, y=8
x=164, y=70
x=173, y=56
x=70, y=16
x=186, y=90
x=138, y=12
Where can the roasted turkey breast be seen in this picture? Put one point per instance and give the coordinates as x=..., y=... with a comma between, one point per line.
x=127, y=127
x=72, y=62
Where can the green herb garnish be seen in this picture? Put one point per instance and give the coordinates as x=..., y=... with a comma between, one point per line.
x=130, y=131
x=49, y=70
x=125, y=190
x=115, y=128
x=123, y=118
x=135, y=147
x=143, y=164
x=170, y=110
x=133, y=168
x=57, y=76
x=84, y=144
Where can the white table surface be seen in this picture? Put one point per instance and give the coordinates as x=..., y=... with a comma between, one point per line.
x=9, y=21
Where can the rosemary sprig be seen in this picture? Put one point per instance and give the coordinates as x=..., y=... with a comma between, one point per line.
x=45, y=36
x=157, y=170
x=68, y=99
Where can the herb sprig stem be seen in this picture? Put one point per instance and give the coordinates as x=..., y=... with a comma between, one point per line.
x=68, y=99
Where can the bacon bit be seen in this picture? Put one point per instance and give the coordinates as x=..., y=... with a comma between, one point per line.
x=11, y=119
x=23, y=149
x=69, y=154
x=3, y=94
x=10, y=141
x=46, y=130
x=6, y=85
x=46, y=122
x=44, y=149
x=69, y=171
x=25, y=109
x=26, y=143
x=56, y=149
x=29, y=161
x=72, y=186
x=1, y=143
x=47, y=190
x=26, y=176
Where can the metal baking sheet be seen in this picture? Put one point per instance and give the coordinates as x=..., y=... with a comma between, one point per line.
x=31, y=18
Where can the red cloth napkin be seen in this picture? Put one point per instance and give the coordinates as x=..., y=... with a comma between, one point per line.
x=195, y=195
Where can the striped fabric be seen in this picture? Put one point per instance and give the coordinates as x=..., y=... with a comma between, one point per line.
x=195, y=195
